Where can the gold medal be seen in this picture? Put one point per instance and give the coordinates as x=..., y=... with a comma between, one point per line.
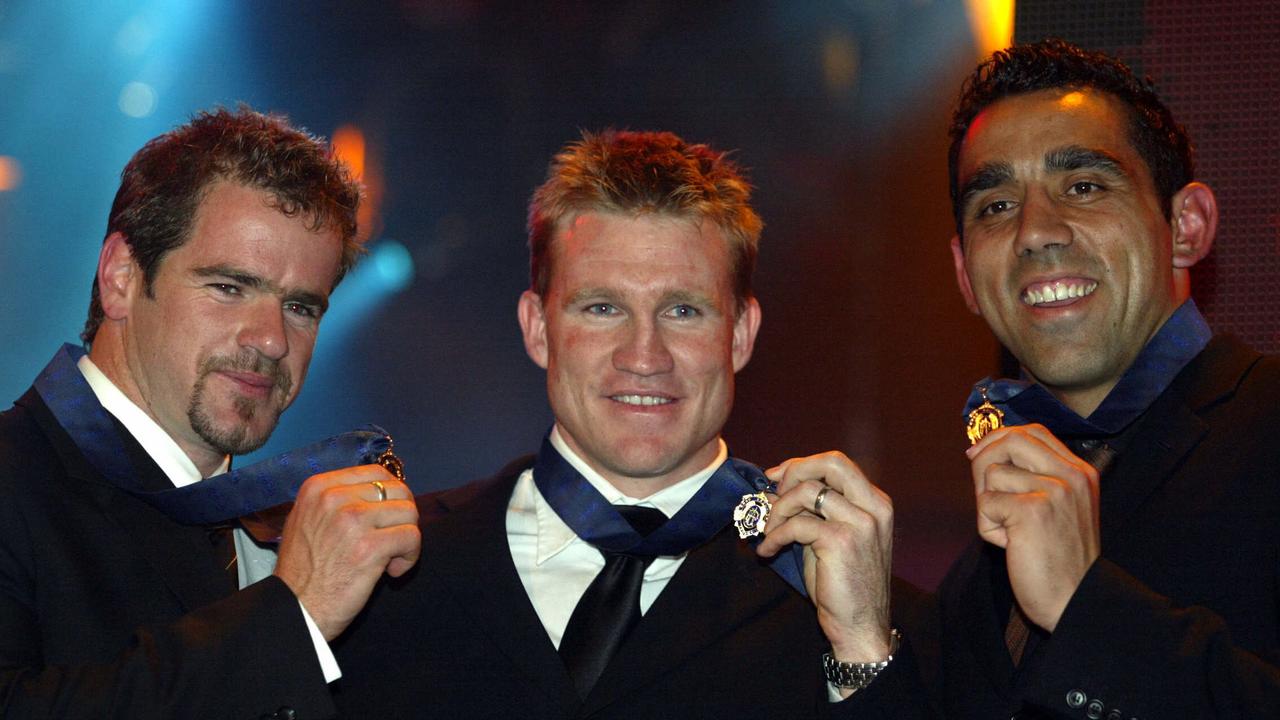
x=392, y=462
x=983, y=419
x=751, y=514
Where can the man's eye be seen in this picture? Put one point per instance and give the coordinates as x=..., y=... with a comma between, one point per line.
x=684, y=311
x=301, y=310
x=1083, y=187
x=995, y=208
x=225, y=288
x=601, y=309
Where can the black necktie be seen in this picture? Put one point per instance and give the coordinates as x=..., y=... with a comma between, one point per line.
x=610, y=607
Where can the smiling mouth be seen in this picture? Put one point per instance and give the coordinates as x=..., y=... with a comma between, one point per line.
x=253, y=383
x=1058, y=291
x=641, y=400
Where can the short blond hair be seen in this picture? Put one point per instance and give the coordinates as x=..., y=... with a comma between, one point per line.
x=644, y=172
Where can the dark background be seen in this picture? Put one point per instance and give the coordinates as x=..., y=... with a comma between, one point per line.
x=839, y=109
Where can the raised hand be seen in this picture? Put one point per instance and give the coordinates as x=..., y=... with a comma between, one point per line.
x=1039, y=502
x=848, y=548
x=341, y=536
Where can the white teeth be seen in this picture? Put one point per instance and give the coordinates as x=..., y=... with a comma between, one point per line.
x=1058, y=291
x=641, y=399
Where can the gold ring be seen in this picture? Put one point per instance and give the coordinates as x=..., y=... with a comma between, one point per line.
x=382, y=489
x=817, y=502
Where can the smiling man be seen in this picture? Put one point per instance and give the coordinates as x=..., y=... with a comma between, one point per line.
x=603, y=577
x=128, y=587
x=1129, y=517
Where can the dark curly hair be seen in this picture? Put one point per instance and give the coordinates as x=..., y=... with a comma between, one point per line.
x=165, y=181
x=1158, y=139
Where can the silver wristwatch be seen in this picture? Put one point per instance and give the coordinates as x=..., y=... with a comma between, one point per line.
x=855, y=676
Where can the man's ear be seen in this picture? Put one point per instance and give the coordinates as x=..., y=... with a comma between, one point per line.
x=744, y=333
x=962, y=277
x=1195, y=224
x=533, y=325
x=118, y=274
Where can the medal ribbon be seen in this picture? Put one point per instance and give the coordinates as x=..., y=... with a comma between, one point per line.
x=1177, y=342
x=223, y=497
x=595, y=520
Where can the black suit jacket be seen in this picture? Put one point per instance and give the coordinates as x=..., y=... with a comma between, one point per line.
x=109, y=609
x=1180, y=617
x=458, y=637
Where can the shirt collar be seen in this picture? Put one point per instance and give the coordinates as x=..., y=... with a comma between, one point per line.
x=161, y=448
x=554, y=535
x=1175, y=344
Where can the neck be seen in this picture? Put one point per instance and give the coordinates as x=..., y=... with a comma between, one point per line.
x=108, y=354
x=1082, y=402
x=639, y=486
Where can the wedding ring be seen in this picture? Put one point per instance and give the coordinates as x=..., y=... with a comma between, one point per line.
x=817, y=502
x=382, y=489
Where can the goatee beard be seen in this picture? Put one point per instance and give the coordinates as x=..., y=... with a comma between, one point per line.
x=236, y=440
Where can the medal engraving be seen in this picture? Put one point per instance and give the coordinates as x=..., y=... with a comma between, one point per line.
x=751, y=514
x=983, y=419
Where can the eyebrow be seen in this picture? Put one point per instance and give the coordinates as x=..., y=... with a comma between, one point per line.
x=1075, y=157
x=1063, y=159
x=987, y=176
x=606, y=295
x=684, y=297
x=589, y=294
x=255, y=282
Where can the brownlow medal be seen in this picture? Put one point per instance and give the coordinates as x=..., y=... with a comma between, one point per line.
x=983, y=419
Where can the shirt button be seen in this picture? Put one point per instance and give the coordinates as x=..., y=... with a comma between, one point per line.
x=1075, y=698
x=1091, y=444
x=1115, y=715
x=1094, y=710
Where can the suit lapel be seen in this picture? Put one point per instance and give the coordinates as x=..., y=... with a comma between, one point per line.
x=472, y=557
x=720, y=586
x=181, y=556
x=1169, y=430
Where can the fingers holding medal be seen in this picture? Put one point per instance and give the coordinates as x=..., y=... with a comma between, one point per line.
x=845, y=523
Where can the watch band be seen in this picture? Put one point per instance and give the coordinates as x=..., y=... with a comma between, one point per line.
x=855, y=676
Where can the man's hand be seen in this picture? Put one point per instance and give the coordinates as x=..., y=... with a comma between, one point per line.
x=339, y=538
x=1039, y=502
x=847, y=555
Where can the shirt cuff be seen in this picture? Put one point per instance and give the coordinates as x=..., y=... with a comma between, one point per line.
x=328, y=663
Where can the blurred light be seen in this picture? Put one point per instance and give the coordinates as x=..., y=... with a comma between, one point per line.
x=10, y=173
x=134, y=37
x=840, y=63
x=991, y=22
x=348, y=145
x=137, y=99
x=394, y=264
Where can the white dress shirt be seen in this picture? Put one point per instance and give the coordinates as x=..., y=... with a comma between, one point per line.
x=556, y=566
x=176, y=466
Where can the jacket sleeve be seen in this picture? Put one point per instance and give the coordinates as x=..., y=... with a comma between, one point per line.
x=235, y=658
x=1122, y=647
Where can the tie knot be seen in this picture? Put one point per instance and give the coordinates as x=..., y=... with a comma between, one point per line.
x=643, y=520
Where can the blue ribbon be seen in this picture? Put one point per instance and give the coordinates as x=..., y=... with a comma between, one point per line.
x=1178, y=341
x=595, y=520
x=220, y=498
